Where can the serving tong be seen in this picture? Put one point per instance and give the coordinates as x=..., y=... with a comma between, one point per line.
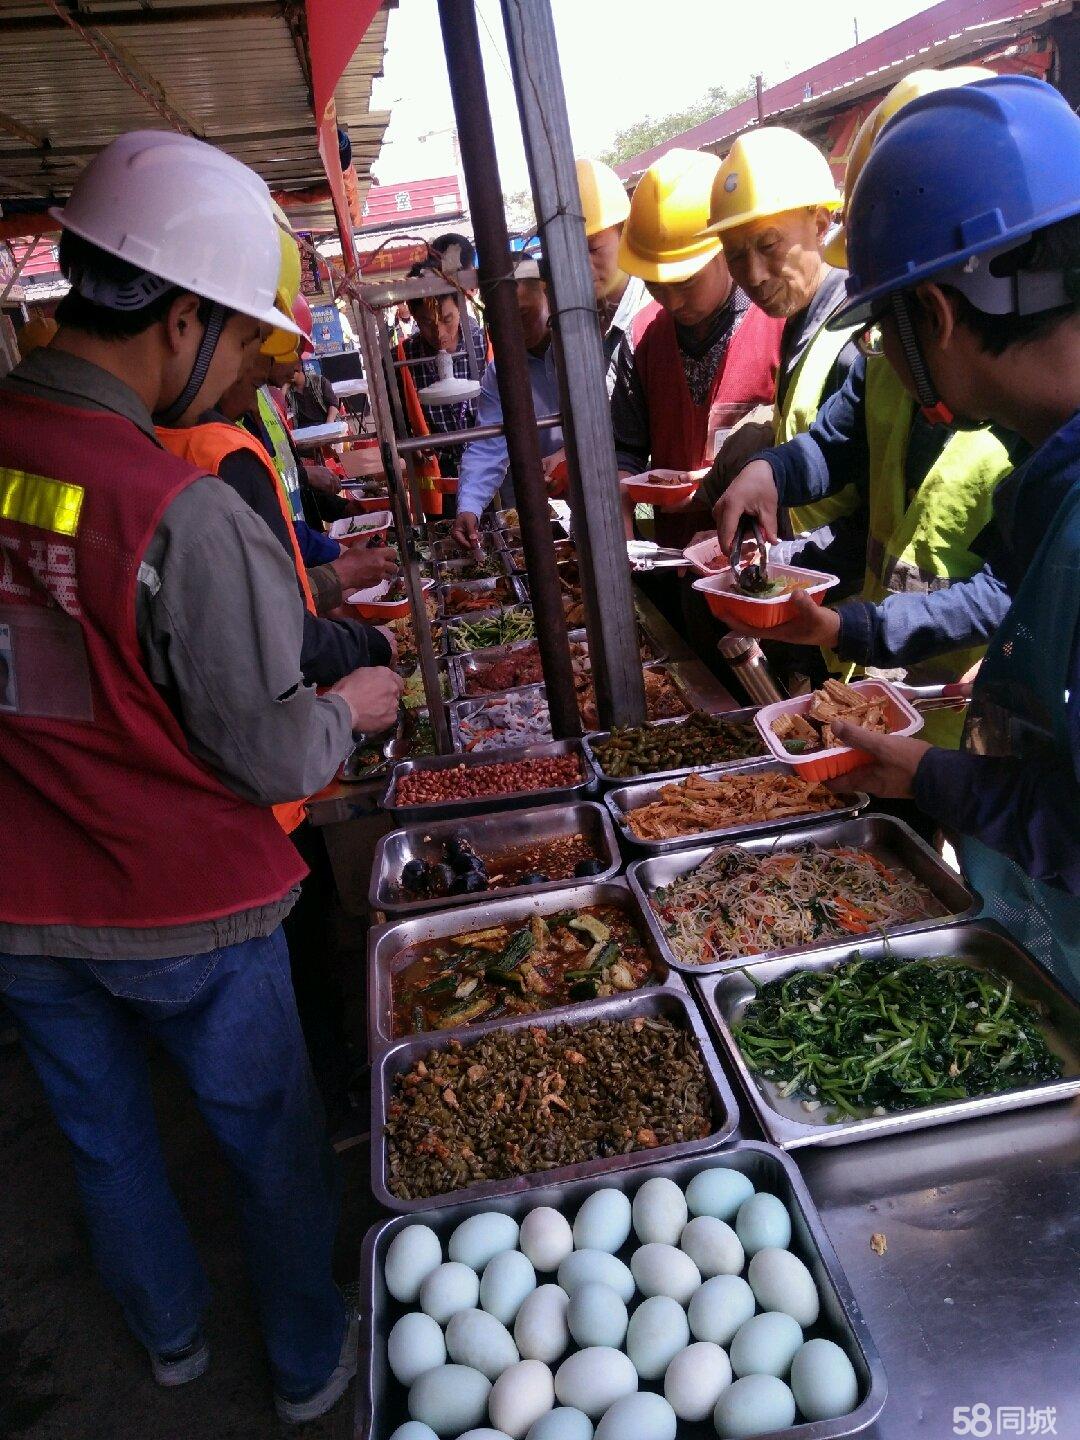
x=751, y=577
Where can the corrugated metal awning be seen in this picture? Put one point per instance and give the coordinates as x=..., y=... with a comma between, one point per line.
x=236, y=75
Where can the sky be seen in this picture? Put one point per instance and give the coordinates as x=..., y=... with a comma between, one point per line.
x=621, y=60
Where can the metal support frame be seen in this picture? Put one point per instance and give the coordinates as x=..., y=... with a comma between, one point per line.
x=445, y=439
x=468, y=88
x=590, y=449
x=384, y=427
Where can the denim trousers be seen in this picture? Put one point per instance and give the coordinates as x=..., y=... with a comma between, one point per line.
x=228, y=1019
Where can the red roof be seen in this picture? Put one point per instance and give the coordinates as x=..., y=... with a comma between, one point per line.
x=412, y=202
x=42, y=262
x=909, y=40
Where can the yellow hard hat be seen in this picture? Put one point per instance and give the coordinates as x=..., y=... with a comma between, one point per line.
x=768, y=172
x=919, y=82
x=37, y=331
x=603, y=199
x=662, y=239
x=281, y=344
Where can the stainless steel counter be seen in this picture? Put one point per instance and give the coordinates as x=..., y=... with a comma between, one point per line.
x=976, y=1300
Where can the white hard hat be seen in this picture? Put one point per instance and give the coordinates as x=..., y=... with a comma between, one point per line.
x=182, y=211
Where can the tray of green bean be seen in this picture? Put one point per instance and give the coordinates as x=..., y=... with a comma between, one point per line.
x=497, y=627
x=666, y=749
x=897, y=1034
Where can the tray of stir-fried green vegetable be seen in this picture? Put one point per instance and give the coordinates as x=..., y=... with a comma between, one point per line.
x=715, y=906
x=854, y=1042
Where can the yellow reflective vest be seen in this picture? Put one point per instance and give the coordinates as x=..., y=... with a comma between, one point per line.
x=922, y=542
x=797, y=414
x=284, y=461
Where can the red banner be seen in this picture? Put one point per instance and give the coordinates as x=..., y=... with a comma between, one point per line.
x=334, y=32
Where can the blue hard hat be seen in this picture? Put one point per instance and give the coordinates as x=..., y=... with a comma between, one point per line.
x=955, y=175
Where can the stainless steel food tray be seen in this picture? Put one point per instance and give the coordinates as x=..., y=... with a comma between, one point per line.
x=744, y=716
x=564, y=550
x=488, y=804
x=490, y=834
x=387, y=942
x=632, y=797
x=463, y=709
x=670, y=1001
x=786, y=1123
x=453, y=620
x=890, y=841
x=516, y=594
x=462, y=667
x=522, y=695
x=381, y=1406
x=450, y=571
x=450, y=550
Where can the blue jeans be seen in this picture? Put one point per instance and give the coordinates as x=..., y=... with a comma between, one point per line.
x=228, y=1019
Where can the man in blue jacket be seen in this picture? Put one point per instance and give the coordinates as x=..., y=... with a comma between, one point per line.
x=965, y=248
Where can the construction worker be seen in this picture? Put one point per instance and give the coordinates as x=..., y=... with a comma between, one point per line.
x=485, y=464
x=439, y=329
x=605, y=206
x=701, y=348
x=925, y=488
x=155, y=712
x=964, y=246
x=772, y=206
x=333, y=572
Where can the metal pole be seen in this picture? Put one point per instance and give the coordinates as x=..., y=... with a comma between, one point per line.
x=449, y=438
x=590, y=447
x=461, y=40
x=384, y=426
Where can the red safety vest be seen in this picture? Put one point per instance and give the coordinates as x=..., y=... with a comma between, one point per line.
x=679, y=429
x=207, y=446
x=107, y=821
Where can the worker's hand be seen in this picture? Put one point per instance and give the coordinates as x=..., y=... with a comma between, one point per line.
x=466, y=530
x=811, y=625
x=321, y=478
x=391, y=639
x=359, y=568
x=372, y=696
x=893, y=762
x=752, y=492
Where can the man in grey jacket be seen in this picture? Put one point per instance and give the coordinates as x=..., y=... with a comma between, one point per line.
x=158, y=712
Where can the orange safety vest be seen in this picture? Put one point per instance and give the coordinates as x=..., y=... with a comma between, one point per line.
x=207, y=446
x=428, y=472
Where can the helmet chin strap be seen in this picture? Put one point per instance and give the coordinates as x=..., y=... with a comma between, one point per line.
x=930, y=402
x=207, y=345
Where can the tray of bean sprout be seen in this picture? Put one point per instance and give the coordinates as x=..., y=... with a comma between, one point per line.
x=710, y=908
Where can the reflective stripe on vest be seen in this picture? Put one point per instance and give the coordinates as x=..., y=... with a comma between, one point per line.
x=284, y=463
x=924, y=544
x=36, y=500
x=207, y=446
x=801, y=404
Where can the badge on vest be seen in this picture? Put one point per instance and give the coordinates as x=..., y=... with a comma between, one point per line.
x=44, y=670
